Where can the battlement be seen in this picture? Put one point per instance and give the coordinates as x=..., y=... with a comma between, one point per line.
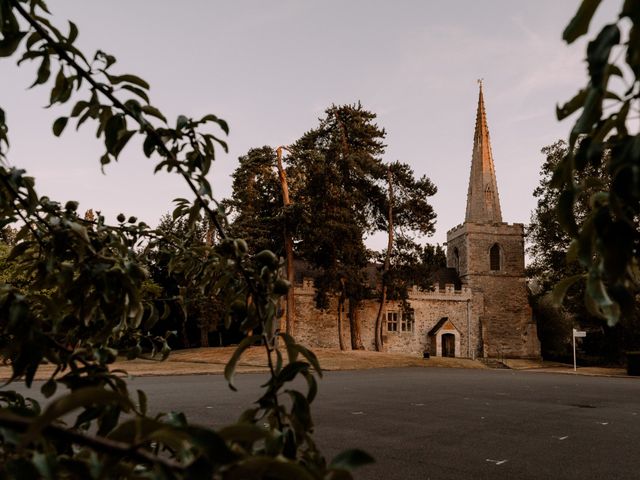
x=447, y=293
x=502, y=228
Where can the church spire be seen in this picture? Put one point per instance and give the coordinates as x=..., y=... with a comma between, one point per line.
x=483, y=203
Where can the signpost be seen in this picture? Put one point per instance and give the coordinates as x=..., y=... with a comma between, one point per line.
x=576, y=334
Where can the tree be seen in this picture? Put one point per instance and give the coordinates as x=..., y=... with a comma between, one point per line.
x=409, y=211
x=549, y=246
x=95, y=302
x=608, y=238
x=190, y=309
x=254, y=205
x=258, y=182
x=341, y=198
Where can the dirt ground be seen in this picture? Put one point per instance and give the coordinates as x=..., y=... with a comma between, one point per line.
x=202, y=361
x=213, y=360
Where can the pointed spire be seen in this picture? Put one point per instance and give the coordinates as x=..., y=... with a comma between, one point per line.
x=483, y=203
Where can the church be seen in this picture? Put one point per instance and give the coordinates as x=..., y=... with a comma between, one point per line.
x=478, y=309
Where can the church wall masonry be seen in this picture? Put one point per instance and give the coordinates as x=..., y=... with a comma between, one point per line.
x=319, y=328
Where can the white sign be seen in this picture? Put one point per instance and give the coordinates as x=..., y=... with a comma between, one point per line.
x=578, y=334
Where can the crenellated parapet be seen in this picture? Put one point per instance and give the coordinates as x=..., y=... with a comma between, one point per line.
x=448, y=293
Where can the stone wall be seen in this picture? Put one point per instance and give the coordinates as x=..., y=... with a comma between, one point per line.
x=318, y=328
x=474, y=241
x=507, y=328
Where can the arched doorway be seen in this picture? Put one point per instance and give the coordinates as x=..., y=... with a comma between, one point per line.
x=448, y=345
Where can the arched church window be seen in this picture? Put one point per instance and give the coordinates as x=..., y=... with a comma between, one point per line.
x=456, y=259
x=494, y=257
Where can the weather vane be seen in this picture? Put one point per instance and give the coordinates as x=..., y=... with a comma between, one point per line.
x=480, y=80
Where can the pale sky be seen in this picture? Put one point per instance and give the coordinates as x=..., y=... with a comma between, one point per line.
x=270, y=68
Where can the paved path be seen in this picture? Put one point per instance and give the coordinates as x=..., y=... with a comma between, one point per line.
x=450, y=423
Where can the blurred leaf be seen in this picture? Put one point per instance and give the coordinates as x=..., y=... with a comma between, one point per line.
x=560, y=290
x=83, y=397
x=351, y=459
x=230, y=368
x=49, y=388
x=572, y=105
x=579, y=24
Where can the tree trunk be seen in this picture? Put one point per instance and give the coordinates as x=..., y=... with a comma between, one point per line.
x=341, y=300
x=387, y=266
x=204, y=336
x=185, y=334
x=340, y=307
x=354, y=323
x=378, y=326
x=288, y=247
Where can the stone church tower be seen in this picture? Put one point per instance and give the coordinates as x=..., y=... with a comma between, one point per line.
x=488, y=255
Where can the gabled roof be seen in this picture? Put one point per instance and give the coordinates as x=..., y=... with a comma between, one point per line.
x=443, y=324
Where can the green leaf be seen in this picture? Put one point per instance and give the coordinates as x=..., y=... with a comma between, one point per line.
x=10, y=43
x=230, y=368
x=565, y=212
x=149, y=145
x=154, y=112
x=579, y=24
x=123, y=138
x=598, y=52
x=18, y=250
x=112, y=130
x=44, y=71
x=256, y=467
x=212, y=118
x=311, y=357
x=572, y=105
x=49, y=388
x=138, y=91
x=181, y=122
x=560, y=290
x=59, y=124
x=73, y=32
x=142, y=402
x=33, y=38
x=78, y=108
x=300, y=409
x=590, y=114
x=597, y=292
x=83, y=397
x=59, y=87
x=210, y=443
x=350, y=459
x=127, y=78
x=243, y=432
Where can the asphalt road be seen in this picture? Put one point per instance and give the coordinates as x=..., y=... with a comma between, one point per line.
x=437, y=423
x=450, y=423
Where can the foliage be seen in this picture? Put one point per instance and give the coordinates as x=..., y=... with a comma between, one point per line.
x=256, y=203
x=606, y=241
x=411, y=215
x=190, y=310
x=340, y=162
x=548, y=247
x=413, y=264
x=88, y=299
